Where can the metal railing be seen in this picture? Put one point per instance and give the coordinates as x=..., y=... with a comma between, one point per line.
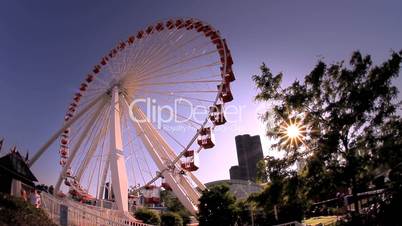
x=64, y=211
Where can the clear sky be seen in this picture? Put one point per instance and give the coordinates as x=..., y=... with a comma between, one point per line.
x=47, y=47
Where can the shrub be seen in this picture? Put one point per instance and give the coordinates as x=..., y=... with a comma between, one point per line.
x=15, y=211
x=147, y=216
x=171, y=219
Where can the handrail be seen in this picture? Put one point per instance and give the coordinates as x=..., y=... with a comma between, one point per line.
x=81, y=214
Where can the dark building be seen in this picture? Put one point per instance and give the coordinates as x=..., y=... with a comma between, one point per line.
x=249, y=152
x=13, y=171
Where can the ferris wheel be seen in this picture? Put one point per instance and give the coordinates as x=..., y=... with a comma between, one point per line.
x=145, y=112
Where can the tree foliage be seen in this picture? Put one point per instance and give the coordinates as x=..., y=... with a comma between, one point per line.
x=171, y=219
x=350, y=128
x=217, y=207
x=147, y=216
x=15, y=211
x=172, y=203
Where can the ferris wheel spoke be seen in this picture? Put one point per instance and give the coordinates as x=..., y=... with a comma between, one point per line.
x=101, y=165
x=177, y=83
x=178, y=96
x=175, y=64
x=179, y=91
x=177, y=73
x=165, y=55
x=94, y=145
x=41, y=150
x=161, y=51
x=90, y=141
x=172, y=137
x=103, y=178
x=140, y=147
x=142, y=54
x=167, y=59
x=91, y=174
x=77, y=145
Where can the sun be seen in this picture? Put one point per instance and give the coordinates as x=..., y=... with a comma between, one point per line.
x=292, y=133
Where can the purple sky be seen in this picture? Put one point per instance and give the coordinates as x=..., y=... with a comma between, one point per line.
x=46, y=47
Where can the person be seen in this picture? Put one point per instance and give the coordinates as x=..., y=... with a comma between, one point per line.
x=38, y=200
x=24, y=195
x=32, y=197
x=51, y=189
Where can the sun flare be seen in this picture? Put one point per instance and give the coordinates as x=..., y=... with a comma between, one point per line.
x=292, y=133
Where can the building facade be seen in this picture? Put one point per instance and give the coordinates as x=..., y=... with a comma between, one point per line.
x=249, y=153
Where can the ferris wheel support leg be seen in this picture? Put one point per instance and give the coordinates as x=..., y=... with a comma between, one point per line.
x=157, y=148
x=77, y=146
x=175, y=184
x=56, y=135
x=117, y=161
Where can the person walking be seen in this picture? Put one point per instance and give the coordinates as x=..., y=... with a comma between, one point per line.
x=24, y=195
x=38, y=200
x=32, y=197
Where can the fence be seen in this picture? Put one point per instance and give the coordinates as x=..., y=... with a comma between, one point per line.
x=68, y=212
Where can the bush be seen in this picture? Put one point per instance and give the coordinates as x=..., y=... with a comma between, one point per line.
x=15, y=211
x=147, y=216
x=171, y=219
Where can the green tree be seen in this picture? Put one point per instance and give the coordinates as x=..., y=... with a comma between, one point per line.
x=217, y=207
x=171, y=219
x=147, y=216
x=341, y=110
x=172, y=203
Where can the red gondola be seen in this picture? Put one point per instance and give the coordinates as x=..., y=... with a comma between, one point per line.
x=170, y=24
x=89, y=78
x=64, y=141
x=113, y=53
x=63, y=161
x=179, y=24
x=67, y=182
x=188, y=23
x=190, y=161
x=121, y=46
x=96, y=69
x=131, y=40
x=149, y=30
x=64, y=155
x=152, y=194
x=104, y=61
x=166, y=186
x=206, y=138
x=159, y=26
x=217, y=115
x=229, y=76
x=69, y=172
x=140, y=34
x=63, y=151
x=226, y=94
x=214, y=36
x=208, y=31
x=197, y=25
x=83, y=87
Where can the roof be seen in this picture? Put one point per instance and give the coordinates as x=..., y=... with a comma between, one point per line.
x=14, y=165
